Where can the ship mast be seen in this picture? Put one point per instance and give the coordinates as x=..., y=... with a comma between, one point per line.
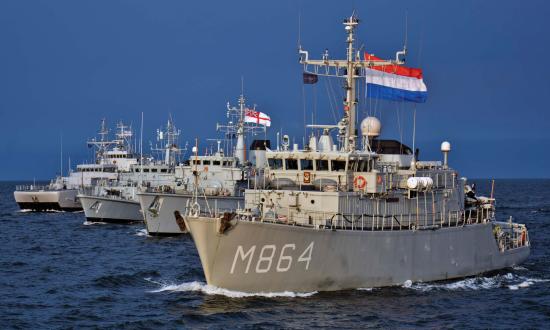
x=170, y=148
x=103, y=143
x=240, y=127
x=351, y=69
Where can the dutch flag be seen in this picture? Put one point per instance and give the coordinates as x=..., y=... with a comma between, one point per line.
x=395, y=82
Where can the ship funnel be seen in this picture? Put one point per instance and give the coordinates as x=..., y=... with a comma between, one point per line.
x=445, y=148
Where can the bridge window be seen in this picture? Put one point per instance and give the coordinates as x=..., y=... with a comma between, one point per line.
x=205, y=162
x=216, y=162
x=291, y=164
x=321, y=165
x=338, y=165
x=306, y=164
x=275, y=164
x=363, y=165
x=154, y=170
x=163, y=170
x=145, y=170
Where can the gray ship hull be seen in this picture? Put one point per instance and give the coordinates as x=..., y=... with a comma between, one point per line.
x=48, y=200
x=102, y=209
x=267, y=257
x=158, y=210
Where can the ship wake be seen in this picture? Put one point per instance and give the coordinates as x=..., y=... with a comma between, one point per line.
x=197, y=286
x=509, y=280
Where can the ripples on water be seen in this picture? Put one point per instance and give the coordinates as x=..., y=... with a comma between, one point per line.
x=56, y=270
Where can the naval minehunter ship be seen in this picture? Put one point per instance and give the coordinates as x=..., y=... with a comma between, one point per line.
x=220, y=178
x=354, y=215
x=116, y=200
x=111, y=157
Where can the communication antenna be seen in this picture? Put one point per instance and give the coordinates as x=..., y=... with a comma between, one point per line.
x=351, y=69
x=238, y=127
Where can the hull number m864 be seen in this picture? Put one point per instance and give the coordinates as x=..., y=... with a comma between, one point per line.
x=270, y=257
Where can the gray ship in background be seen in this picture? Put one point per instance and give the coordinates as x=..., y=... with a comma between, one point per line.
x=115, y=200
x=360, y=213
x=111, y=158
x=219, y=177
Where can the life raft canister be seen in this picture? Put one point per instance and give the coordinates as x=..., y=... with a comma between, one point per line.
x=359, y=182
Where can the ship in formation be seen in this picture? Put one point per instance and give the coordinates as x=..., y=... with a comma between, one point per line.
x=115, y=200
x=220, y=177
x=360, y=213
x=343, y=211
x=110, y=159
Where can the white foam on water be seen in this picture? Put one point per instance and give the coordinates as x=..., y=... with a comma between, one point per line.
x=509, y=280
x=407, y=284
x=364, y=289
x=142, y=232
x=90, y=223
x=213, y=290
x=525, y=284
x=46, y=211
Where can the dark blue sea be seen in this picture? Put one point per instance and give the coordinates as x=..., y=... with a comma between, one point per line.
x=58, y=272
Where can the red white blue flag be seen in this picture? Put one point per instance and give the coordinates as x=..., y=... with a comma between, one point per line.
x=395, y=82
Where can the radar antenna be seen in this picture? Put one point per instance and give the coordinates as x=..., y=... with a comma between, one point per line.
x=350, y=69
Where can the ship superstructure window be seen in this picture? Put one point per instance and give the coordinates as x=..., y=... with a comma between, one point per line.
x=136, y=170
x=163, y=170
x=338, y=165
x=196, y=162
x=306, y=164
x=275, y=164
x=145, y=170
x=363, y=165
x=205, y=162
x=321, y=165
x=291, y=164
x=216, y=162
x=154, y=170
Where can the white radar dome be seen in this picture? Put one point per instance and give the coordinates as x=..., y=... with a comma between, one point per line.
x=445, y=146
x=371, y=127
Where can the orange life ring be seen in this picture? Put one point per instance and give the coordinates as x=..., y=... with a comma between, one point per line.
x=359, y=182
x=379, y=179
x=206, y=168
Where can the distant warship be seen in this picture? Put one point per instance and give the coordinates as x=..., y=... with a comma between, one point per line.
x=115, y=200
x=111, y=157
x=220, y=178
x=361, y=213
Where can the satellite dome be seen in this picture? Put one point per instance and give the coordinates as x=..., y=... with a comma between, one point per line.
x=371, y=127
x=445, y=146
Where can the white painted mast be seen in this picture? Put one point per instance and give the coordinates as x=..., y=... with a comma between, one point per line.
x=351, y=69
x=169, y=142
x=240, y=128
